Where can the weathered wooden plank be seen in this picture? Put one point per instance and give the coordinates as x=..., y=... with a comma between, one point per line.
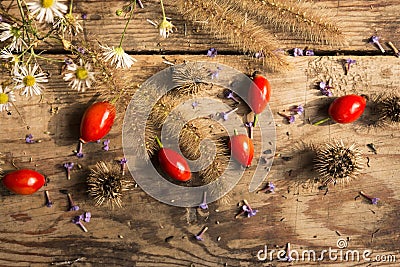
x=358, y=19
x=32, y=234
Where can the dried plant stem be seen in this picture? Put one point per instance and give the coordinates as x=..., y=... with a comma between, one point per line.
x=228, y=23
x=298, y=17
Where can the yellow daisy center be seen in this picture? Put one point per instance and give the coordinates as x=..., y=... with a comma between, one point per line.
x=81, y=73
x=119, y=51
x=15, y=32
x=29, y=80
x=3, y=98
x=47, y=3
x=69, y=18
x=165, y=24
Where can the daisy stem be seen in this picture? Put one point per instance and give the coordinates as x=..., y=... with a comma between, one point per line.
x=49, y=59
x=70, y=7
x=162, y=9
x=22, y=118
x=21, y=11
x=127, y=23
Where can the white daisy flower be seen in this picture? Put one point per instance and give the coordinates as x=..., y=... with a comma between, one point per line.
x=47, y=9
x=28, y=79
x=12, y=31
x=68, y=23
x=6, y=54
x=6, y=97
x=165, y=28
x=81, y=76
x=118, y=56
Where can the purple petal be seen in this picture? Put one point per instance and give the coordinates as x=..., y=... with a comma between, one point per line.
x=310, y=53
x=79, y=155
x=74, y=208
x=68, y=165
x=291, y=119
x=350, y=61
x=212, y=52
x=375, y=200
x=123, y=161
x=251, y=213
x=374, y=39
x=76, y=219
x=249, y=124
x=203, y=206
x=199, y=238
x=87, y=216
x=297, y=52
x=271, y=187
x=29, y=139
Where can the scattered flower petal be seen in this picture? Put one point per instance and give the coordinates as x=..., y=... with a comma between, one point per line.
x=299, y=109
x=212, y=52
x=29, y=139
x=106, y=144
x=309, y=52
x=297, y=52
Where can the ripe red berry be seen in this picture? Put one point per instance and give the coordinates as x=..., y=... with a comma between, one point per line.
x=348, y=108
x=23, y=182
x=173, y=164
x=259, y=93
x=97, y=121
x=242, y=149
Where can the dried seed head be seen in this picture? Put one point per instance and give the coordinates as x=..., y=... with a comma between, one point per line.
x=191, y=136
x=389, y=109
x=338, y=163
x=106, y=184
x=189, y=77
x=162, y=109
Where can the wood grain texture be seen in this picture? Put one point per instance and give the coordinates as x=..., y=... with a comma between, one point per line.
x=358, y=20
x=299, y=213
x=146, y=232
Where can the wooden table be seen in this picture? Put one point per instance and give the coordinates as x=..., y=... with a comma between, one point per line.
x=146, y=232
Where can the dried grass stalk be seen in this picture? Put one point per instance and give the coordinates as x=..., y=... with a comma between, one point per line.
x=299, y=17
x=228, y=23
